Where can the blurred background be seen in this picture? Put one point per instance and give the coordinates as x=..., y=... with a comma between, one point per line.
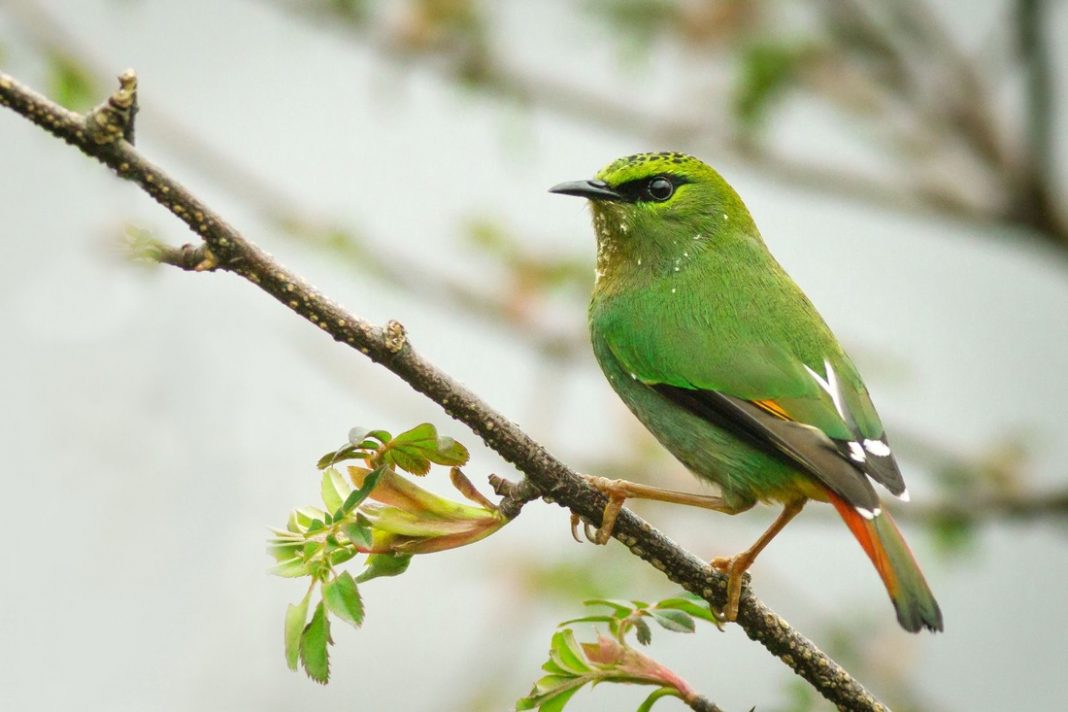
x=904, y=160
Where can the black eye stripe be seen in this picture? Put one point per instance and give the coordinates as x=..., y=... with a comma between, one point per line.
x=636, y=191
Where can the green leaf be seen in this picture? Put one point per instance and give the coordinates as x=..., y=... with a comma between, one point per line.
x=673, y=620
x=291, y=568
x=551, y=693
x=641, y=628
x=345, y=452
x=656, y=695
x=449, y=452
x=558, y=702
x=698, y=608
x=296, y=616
x=334, y=489
x=414, y=450
x=384, y=565
x=343, y=599
x=358, y=534
x=313, y=646
x=566, y=652
x=342, y=555
x=356, y=497
x=407, y=459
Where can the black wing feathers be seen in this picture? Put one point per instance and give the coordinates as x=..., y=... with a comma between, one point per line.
x=803, y=445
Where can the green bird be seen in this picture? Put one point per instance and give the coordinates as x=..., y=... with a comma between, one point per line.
x=725, y=360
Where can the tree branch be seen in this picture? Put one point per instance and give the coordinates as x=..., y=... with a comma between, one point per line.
x=225, y=248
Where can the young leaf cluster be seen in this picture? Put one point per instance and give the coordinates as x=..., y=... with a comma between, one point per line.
x=572, y=664
x=404, y=520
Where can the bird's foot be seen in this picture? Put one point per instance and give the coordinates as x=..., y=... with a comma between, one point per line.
x=735, y=568
x=616, y=491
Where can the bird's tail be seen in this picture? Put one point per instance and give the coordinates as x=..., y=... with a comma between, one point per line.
x=886, y=547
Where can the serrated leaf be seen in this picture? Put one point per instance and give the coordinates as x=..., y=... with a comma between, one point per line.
x=422, y=434
x=407, y=459
x=291, y=568
x=656, y=695
x=644, y=634
x=566, y=652
x=343, y=599
x=296, y=616
x=334, y=489
x=673, y=620
x=384, y=565
x=313, y=646
x=410, y=450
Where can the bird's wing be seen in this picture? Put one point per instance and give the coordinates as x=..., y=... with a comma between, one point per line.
x=817, y=415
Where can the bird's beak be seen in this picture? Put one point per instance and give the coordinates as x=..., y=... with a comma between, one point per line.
x=592, y=189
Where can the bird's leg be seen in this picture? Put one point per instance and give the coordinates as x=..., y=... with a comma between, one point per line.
x=736, y=566
x=619, y=491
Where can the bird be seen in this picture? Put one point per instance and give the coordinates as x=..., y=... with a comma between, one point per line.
x=722, y=357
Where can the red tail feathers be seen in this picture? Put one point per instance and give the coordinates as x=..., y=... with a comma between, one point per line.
x=886, y=547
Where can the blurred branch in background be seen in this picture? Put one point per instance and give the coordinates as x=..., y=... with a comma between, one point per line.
x=77, y=76
x=891, y=68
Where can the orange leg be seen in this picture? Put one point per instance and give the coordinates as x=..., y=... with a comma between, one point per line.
x=736, y=566
x=619, y=491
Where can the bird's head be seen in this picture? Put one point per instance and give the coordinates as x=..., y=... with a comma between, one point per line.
x=650, y=208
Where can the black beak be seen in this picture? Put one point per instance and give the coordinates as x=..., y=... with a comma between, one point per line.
x=592, y=189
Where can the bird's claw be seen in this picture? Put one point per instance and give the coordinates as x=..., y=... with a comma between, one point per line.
x=610, y=489
x=735, y=568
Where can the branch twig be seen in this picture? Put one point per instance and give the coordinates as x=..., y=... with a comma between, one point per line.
x=225, y=248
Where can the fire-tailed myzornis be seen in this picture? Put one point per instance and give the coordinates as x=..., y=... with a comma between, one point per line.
x=719, y=353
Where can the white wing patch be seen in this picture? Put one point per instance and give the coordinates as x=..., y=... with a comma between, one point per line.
x=869, y=514
x=877, y=448
x=830, y=385
x=856, y=452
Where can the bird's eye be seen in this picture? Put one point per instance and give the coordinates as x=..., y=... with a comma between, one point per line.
x=660, y=188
